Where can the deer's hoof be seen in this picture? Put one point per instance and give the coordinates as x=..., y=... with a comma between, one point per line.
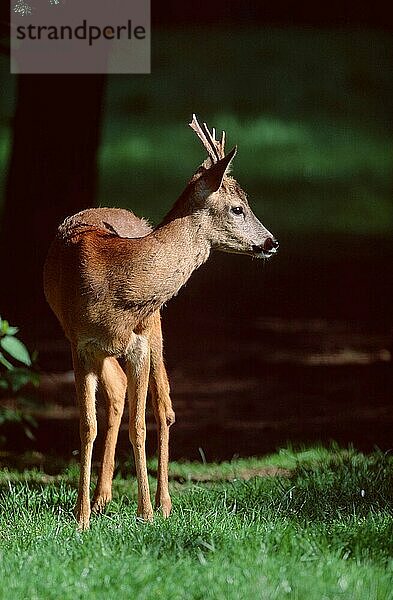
x=165, y=506
x=145, y=514
x=83, y=521
x=83, y=525
x=100, y=502
x=82, y=515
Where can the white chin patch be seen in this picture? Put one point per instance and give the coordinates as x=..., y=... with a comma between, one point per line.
x=264, y=254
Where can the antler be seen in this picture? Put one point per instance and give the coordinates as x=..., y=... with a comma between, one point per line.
x=215, y=149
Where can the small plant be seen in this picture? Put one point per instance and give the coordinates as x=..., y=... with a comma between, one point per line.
x=15, y=373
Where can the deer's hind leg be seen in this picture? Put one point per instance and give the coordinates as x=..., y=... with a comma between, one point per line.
x=114, y=385
x=86, y=383
x=163, y=412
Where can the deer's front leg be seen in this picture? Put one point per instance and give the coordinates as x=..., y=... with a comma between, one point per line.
x=163, y=412
x=138, y=368
x=164, y=416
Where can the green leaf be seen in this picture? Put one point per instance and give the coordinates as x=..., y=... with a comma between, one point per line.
x=10, y=415
x=4, y=326
x=29, y=433
x=20, y=377
x=12, y=330
x=16, y=349
x=5, y=362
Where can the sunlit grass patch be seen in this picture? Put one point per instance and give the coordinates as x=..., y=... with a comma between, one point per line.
x=301, y=175
x=323, y=530
x=308, y=109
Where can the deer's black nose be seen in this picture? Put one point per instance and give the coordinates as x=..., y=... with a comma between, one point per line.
x=268, y=248
x=270, y=244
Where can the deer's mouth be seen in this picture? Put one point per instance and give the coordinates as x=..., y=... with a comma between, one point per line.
x=261, y=252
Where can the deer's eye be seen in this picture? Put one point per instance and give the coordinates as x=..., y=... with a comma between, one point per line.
x=237, y=210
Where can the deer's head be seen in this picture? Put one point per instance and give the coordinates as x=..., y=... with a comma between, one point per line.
x=221, y=202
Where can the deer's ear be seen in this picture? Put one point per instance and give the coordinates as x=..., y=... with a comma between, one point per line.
x=211, y=180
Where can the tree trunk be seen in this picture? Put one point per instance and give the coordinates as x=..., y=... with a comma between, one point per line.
x=52, y=174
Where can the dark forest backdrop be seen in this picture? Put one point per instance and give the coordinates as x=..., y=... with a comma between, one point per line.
x=298, y=349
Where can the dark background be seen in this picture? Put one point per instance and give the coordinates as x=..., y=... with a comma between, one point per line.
x=282, y=13
x=295, y=350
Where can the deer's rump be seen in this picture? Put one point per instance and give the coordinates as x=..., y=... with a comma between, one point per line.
x=62, y=271
x=116, y=220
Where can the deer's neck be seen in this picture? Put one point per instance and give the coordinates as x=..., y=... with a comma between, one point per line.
x=165, y=261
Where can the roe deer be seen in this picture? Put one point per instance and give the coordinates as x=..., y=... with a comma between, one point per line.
x=106, y=276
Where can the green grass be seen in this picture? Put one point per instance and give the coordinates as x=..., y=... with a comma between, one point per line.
x=324, y=530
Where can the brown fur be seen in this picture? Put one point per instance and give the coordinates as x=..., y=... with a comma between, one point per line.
x=106, y=276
